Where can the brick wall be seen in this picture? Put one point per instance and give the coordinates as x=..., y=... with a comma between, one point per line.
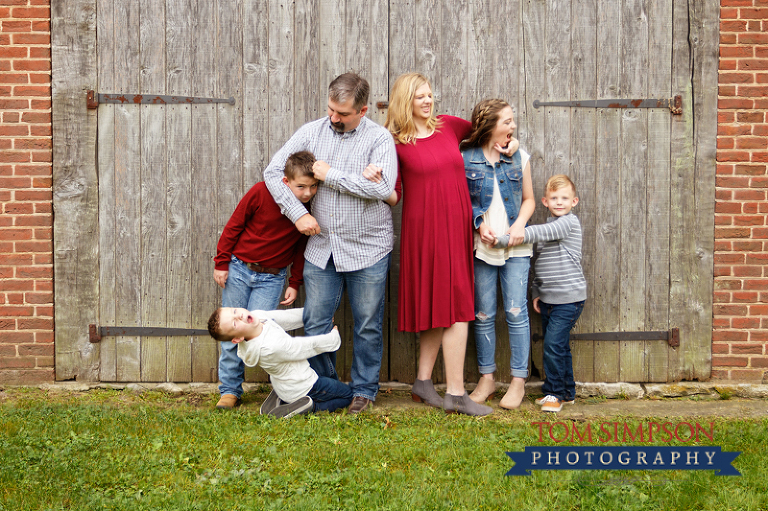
x=26, y=220
x=740, y=336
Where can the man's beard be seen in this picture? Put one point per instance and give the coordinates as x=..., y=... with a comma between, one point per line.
x=338, y=126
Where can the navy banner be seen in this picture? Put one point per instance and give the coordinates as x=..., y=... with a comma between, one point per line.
x=623, y=458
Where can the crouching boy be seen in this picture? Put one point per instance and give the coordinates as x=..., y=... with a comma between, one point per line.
x=262, y=340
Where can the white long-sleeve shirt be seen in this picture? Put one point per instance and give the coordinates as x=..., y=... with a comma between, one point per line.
x=284, y=357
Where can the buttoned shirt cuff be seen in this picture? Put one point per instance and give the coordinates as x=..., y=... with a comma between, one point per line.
x=295, y=212
x=333, y=177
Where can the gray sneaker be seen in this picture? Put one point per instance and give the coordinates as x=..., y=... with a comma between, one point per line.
x=270, y=403
x=301, y=406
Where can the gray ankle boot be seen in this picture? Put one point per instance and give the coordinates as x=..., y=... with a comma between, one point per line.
x=424, y=391
x=463, y=404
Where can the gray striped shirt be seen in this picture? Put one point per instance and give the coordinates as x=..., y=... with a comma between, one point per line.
x=355, y=225
x=558, y=274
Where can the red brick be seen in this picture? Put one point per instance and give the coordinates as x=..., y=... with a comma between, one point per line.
x=725, y=143
x=33, y=272
x=758, y=310
x=13, y=337
x=722, y=297
x=728, y=284
x=744, y=296
x=723, y=246
x=15, y=234
x=730, y=258
x=31, y=12
x=746, y=271
x=746, y=375
x=750, y=117
x=733, y=232
x=758, y=362
x=27, y=377
x=750, y=170
x=758, y=336
x=755, y=284
x=728, y=38
x=741, y=104
x=729, y=336
x=36, y=117
x=734, y=156
x=730, y=310
x=726, y=117
x=733, y=26
x=759, y=156
x=736, y=349
x=744, y=220
x=721, y=323
x=16, y=362
x=720, y=349
x=756, y=14
x=728, y=207
x=760, y=130
x=32, y=39
x=743, y=323
x=730, y=361
x=746, y=195
x=729, y=14
x=34, y=246
x=734, y=130
x=46, y=298
x=751, y=143
x=752, y=38
x=759, y=233
x=723, y=271
x=36, y=324
x=732, y=181
x=44, y=337
x=720, y=374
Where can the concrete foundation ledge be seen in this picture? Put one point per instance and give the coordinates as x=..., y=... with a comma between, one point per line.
x=620, y=390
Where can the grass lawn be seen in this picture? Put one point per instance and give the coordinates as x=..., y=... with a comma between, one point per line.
x=107, y=449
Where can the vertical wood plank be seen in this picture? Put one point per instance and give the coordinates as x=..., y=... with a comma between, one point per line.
x=403, y=346
x=634, y=141
x=309, y=94
x=153, y=186
x=608, y=205
x=75, y=189
x=179, y=44
x=658, y=187
x=106, y=187
x=705, y=37
x=127, y=193
x=532, y=132
x=583, y=142
x=256, y=126
x=205, y=212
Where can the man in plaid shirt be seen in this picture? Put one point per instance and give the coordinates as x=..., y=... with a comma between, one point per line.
x=350, y=227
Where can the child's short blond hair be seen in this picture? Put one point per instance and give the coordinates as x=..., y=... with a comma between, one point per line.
x=559, y=181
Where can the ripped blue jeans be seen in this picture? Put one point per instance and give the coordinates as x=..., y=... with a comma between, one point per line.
x=514, y=289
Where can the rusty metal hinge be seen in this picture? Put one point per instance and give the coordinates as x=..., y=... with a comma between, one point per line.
x=94, y=99
x=675, y=105
x=672, y=336
x=96, y=333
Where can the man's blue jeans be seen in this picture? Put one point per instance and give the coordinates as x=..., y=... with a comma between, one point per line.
x=252, y=291
x=330, y=394
x=514, y=289
x=365, y=289
x=557, y=321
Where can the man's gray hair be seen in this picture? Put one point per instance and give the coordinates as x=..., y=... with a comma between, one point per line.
x=350, y=85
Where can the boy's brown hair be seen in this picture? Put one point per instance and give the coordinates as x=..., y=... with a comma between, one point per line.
x=299, y=164
x=214, y=327
x=559, y=181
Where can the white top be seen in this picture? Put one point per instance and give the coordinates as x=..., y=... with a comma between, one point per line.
x=284, y=357
x=496, y=218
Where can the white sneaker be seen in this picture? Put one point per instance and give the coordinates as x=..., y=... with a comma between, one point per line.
x=551, y=404
x=540, y=401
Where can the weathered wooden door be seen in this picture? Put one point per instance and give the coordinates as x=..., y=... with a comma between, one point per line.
x=142, y=191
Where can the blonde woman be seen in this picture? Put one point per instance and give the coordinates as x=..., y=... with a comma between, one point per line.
x=436, y=273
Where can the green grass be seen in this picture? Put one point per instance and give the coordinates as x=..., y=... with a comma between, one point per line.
x=112, y=450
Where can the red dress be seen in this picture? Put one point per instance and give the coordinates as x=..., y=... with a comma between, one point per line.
x=436, y=272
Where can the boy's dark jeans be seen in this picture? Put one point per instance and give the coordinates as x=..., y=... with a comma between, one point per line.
x=557, y=321
x=330, y=394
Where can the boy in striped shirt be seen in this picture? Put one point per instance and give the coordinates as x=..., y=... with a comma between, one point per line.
x=559, y=288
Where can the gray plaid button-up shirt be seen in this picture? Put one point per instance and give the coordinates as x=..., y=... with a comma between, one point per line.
x=355, y=223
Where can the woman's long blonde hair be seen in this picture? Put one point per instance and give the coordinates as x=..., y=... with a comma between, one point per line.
x=400, y=112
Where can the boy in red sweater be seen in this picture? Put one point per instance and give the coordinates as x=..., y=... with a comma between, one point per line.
x=256, y=247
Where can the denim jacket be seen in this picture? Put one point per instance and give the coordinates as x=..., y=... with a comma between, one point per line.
x=508, y=172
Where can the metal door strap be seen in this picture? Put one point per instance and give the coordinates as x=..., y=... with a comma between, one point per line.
x=94, y=99
x=672, y=336
x=96, y=333
x=675, y=105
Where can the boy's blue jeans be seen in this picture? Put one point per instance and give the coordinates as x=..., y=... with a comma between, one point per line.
x=557, y=321
x=365, y=289
x=330, y=394
x=514, y=288
x=252, y=291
